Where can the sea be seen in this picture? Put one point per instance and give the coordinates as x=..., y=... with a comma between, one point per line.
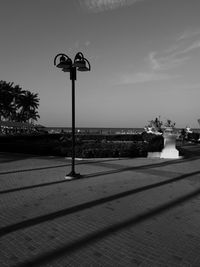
x=98, y=130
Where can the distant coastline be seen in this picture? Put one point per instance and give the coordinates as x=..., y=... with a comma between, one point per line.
x=100, y=130
x=104, y=130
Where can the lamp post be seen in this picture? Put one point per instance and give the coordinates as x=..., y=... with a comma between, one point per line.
x=80, y=63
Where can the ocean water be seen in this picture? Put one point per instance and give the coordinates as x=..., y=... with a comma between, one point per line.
x=98, y=130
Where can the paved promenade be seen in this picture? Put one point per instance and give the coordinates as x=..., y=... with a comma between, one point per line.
x=122, y=212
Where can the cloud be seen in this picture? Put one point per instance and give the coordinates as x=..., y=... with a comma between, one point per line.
x=143, y=77
x=155, y=64
x=161, y=63
x=191, y=47
x=188, y=35
x=175, y=55
x=105, y=5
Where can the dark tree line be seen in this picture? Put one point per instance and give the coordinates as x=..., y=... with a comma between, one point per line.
x=17, y=104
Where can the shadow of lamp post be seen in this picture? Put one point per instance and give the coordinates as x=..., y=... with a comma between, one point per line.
x=67, y=65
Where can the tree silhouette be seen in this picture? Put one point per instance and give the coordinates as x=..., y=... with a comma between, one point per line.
x=17, y=104
x=27, y=104
x=6, y=99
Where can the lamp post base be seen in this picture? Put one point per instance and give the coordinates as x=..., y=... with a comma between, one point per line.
x=73, y=175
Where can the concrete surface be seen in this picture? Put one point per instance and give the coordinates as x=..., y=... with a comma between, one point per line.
x=122, y=212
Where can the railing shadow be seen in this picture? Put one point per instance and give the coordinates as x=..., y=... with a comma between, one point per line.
x=63, y=212
x=55, y=166
x=96, y=161
x=106, y=231
x=160, y=164
x=34, y=169
x=6, y=157
x=117, y=169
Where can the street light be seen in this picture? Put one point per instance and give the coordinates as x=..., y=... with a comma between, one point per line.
x=67, y=65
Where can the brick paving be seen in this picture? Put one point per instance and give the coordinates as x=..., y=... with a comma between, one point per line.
x=123, y=212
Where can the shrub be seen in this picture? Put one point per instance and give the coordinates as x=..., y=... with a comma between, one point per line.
x=110, y=149
x=155, y=142
x=87, y=146
x=194, y=137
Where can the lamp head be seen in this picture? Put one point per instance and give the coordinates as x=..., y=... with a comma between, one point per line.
x=85, y=65
x=65, y=64
x=83, y=68
x=79, y=60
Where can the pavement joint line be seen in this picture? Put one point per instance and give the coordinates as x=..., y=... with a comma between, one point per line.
x=60, y=213
x=106, y=231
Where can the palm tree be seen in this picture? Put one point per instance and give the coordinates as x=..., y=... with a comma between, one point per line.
x=17, y=94
x=6, y=100
x=27, y=104
x=17, y=104
x=33, y=115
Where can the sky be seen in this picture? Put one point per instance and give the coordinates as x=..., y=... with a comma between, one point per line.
x=144, y=56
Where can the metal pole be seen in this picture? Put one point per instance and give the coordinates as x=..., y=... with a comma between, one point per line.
x=73, y=78
x=73, y=123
